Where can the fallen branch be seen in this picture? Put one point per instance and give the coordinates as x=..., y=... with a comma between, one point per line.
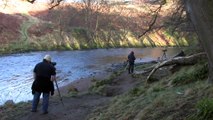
x=188, y=60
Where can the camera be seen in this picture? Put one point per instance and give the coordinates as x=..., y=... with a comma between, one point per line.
x=164, y=50
x=53, y=63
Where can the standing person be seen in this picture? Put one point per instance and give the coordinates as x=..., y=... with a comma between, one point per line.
x=131, y=60
x=44, y=75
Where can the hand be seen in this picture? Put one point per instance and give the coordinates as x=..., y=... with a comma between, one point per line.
x=53, y=78
x=52, y=93
x=33, y=92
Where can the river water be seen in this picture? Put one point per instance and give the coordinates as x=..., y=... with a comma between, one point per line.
x=17, y=70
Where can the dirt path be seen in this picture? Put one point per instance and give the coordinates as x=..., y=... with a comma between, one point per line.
x=78, y=108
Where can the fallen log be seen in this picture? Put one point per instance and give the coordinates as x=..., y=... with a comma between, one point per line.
x=188, y=60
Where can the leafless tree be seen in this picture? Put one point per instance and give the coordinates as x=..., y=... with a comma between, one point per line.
x=153, y=20
x=197, y=12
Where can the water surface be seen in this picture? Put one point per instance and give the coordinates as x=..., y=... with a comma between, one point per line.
x=17, y=70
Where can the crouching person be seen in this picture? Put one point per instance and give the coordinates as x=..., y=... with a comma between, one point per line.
x=44, y=75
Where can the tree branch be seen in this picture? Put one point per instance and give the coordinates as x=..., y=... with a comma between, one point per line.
x=189, y=60
x=152, y=22
x=53, y=4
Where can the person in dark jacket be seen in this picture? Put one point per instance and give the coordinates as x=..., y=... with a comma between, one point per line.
x=44, y=75
x=131, y=60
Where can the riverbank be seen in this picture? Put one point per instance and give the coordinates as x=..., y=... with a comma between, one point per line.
x=174, y=96
x=78, y=102
x=82, y=85
x=71, y=65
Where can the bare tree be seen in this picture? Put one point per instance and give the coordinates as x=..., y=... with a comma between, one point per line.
x=199, y=12
x=152, y=21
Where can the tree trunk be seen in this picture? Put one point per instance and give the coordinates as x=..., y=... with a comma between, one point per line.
x=199, y=14
x=189, y=60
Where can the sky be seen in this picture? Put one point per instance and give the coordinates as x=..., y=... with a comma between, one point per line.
x=49, y=0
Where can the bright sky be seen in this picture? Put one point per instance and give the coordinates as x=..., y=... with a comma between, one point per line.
x=64, y=0
x=18, y=6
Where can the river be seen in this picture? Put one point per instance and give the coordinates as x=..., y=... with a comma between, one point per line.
x=17, y=69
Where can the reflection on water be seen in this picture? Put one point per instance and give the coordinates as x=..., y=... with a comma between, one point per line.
x=16, y=70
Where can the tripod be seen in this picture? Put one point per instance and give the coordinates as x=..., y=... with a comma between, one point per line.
x=163, y=57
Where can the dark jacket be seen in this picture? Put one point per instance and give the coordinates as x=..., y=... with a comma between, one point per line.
x=131, y=58
x=42, y=82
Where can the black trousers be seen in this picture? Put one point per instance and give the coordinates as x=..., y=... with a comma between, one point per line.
x=131, y=68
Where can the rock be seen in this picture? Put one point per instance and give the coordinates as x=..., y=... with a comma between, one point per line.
x=188, y=92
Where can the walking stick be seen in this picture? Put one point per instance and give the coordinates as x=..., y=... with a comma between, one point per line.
x=59, y=92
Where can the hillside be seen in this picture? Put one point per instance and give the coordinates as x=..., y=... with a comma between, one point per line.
x=9, y=27
x=75, y=26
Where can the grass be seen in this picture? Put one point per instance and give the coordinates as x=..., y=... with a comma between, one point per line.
x=100, y=85
x=77, y=38
x=142, y=104
x=204, y=110
x=189, y=39
x=190, y=74
x=162, y=101
x=12, y=111
x=173, y=97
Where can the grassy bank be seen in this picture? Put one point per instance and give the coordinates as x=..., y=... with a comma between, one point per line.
x=183, y=95
x=13, y=111
x=80, y=38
